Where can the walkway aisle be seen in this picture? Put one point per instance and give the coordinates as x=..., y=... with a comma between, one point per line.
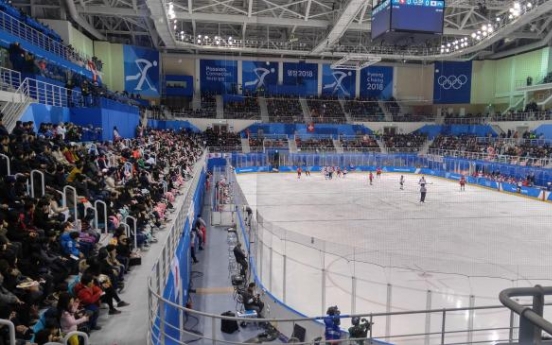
x=130, y=327
x=214, y=289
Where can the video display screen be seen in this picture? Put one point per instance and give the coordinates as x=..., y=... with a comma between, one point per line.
x=381, y=19
x=425, y=16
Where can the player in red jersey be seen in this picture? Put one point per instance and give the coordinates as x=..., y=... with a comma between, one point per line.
x=299, y=172
x=462, y=183
x=371, y=178
x=378, y=172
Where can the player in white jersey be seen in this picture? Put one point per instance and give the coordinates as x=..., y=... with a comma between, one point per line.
x=422, y=181
x=401, y=182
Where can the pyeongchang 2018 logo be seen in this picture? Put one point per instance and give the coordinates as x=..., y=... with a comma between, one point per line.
x=143, y=66
x=261, y=73
x=337, y=85
x=452, y=81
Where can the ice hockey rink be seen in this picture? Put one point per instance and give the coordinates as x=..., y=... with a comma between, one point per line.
x=458, y=249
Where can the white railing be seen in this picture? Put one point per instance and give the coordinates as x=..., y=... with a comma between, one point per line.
x=19, y=29
x=9, y=79
x=512, y=160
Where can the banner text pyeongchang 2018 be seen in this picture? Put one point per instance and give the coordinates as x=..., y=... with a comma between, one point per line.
x=376, y=82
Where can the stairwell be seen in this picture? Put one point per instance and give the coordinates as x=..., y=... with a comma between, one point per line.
x=386, y=112
x=264, y=109
x=245, y=145
x=13, y=109
x=347, y=115
x=425, y=147
x=306, y=110
x=337, y=145
x=220, y=107
x=381, y=145
x=292, y=145
x=497, y=129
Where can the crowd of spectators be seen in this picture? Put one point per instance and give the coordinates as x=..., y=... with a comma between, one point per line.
x=43, y=36
x=526, y=145
x=365, y=109
x=410, y=142
x=533, y=115
x=315, y=145
x=287, y=110
x=326, y=109
x=222, y=140
x=44, y=243
x=256, y=144
x=248, y=109
x=365, y=143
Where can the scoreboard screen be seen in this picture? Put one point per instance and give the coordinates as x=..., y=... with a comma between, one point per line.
x=424, y=16
x=381, y=19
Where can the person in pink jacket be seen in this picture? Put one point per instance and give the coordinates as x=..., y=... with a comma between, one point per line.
x=69, y=317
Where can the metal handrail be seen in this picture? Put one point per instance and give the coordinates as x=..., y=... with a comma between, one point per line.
x=96, y=203
x=8, y=163
x=10, y=77
x=11, y=329
x=42, y=183
x=134, y=229
x=66, y=189
x=531, y=320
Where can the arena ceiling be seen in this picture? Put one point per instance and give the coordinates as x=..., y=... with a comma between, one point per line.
x=332, y=29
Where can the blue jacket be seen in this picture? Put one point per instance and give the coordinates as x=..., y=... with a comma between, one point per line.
x=69, y=245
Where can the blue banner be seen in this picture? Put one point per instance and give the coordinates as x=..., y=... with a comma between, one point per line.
x=219, y=76
x=452, y=82
x=376, y=82
x=304, y=76
x=259, y=75
x=141, y=71
x=338, y=82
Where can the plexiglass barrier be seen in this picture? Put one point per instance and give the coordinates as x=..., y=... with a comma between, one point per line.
x=292, y=268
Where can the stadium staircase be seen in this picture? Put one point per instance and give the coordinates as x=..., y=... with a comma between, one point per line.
x=514, y=106
x=337, y=145
x=220, y=107
x=306, y=110
x=381, y=145
x=245, y=145
x=264, y=109
x=386, y=112
x=292, y=145
x=347, y=115
x=497, y=129
x=14, y=108
x=425, y=147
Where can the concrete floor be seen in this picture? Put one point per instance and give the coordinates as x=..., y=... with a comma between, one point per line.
x=456, y=250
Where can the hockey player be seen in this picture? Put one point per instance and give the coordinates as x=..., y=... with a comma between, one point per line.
x=371, y=178
x=401, y=182
x=423, y=192
x=378, y=172
x=299, y=173
x=422, y=181
x=462, y=183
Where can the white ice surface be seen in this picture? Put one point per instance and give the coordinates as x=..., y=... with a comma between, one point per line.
x=463, y=247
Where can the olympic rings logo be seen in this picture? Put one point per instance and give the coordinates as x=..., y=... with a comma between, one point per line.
x=452, y=81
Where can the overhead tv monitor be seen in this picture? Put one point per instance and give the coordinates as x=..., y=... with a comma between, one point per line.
x=381, y=19
x=423, y=16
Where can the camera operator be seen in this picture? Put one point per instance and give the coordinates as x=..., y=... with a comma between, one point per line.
x=252, y=300
x=359, y=329
x=332, y=322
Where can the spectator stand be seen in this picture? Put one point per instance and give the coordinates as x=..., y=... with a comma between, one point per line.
x=365, y=109
x=268, y=143
x=410, y=142
x=314, y=143
x=285, y=110
x=359, y=143
x=326, y=109
x=12, y=22
x=522, y=116
x=241, y=107
x=493, y=157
